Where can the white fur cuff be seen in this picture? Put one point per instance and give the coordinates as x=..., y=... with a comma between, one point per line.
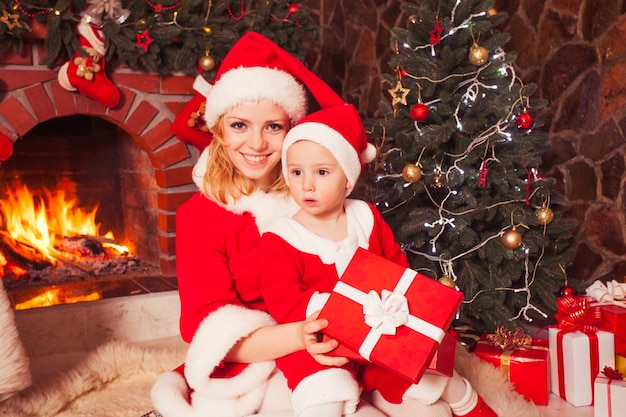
x=324, y=387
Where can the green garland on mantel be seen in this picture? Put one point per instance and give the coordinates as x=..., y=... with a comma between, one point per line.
x=160, y=36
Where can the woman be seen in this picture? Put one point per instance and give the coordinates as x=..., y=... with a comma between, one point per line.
x=257, y=96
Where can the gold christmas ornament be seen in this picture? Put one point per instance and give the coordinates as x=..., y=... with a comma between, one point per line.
x=447, y=281
x=512, y=238
x=478, y=55
x=544, y=215
x=398, y=94
x=437, y=180
x=141, y=25
x=11, y=20
x=207, y=30
x=412, y=173
x=207, y=63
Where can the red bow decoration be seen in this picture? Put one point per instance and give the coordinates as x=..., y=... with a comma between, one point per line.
x=575, y=313
x=611, y=373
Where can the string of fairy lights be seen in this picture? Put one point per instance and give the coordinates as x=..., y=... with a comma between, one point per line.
x=471, y=89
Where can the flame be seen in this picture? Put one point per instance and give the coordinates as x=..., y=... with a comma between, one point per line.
x=55, y=296
x=38, y=220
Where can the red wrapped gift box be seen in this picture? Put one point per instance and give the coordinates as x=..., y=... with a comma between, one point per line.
x=527, y=369
x=442, y=362
x=376, y=290
x=614, y=321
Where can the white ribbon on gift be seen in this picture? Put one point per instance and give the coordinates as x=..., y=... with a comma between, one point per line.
x=386, y=312
x=390, y=310
x=611, y=293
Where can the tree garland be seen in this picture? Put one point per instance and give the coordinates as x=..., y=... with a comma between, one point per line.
x=160, y=36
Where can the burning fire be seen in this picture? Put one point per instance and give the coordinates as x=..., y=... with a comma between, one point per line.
x=56, y=296
x=38, y=221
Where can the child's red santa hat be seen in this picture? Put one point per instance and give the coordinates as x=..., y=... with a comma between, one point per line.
x=340, y=130
x=256, y=68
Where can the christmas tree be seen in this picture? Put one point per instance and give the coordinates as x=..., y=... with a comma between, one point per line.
x=458, y=176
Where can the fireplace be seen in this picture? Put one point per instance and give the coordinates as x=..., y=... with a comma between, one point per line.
x=123, y=159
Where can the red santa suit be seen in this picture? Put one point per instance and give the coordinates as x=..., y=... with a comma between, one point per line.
x=299, y=269
x=219, y=285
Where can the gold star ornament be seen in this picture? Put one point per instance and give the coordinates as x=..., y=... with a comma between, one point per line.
x=398, y=94
x=10, y=20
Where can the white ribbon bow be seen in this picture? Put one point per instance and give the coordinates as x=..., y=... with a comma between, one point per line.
x=386, y=312
x=610, y=293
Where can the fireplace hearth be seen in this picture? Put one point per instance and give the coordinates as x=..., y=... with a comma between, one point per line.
x=97, y=168
x=120, y=150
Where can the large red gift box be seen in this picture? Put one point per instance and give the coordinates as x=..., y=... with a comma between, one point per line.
x=614, y=321
x=528, y=369
x=392, y=316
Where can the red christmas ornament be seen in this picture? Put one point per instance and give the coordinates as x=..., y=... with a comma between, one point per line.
x=144, y=40
x=482, y=175
x=525, y=121
x=435, y=34
x=293, y=8
x=401, y=73
x=419, y=112
x=567, y=291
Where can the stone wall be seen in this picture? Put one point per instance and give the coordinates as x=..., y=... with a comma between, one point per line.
x=574, y=50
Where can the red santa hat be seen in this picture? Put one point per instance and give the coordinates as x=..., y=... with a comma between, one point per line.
x=256, y=68
x=340, y=130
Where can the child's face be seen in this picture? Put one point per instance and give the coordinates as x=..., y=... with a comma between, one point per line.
x=317, y=182
x=253, y=133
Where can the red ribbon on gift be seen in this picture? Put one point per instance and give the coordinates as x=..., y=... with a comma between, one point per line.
x=574, y=313
x=611, y=375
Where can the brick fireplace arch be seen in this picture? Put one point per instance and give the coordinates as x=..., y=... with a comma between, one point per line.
x=149, y=103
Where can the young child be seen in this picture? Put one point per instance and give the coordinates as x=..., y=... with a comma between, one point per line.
x=303, y=256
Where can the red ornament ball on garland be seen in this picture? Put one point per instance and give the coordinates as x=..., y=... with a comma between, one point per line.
x=525, y=121
x=293, y=8
x=419, y=112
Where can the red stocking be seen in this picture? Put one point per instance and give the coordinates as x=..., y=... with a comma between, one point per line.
x=86, y=73
x=6, y=148
x=189, y=126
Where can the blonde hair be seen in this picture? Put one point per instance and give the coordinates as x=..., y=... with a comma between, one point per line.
x=223, y=180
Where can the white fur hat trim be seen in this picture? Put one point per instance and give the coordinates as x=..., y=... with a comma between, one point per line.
x=332, y=140
x=255, y=83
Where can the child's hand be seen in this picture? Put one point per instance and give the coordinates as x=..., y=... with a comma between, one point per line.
x=311, y=340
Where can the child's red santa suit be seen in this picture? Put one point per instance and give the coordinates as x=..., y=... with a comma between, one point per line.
x=217, y=246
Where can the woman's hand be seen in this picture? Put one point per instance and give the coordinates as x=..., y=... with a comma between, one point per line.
x=311, y=340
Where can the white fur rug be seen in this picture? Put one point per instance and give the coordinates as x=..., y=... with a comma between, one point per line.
x=14, y=366
x=115, y=381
